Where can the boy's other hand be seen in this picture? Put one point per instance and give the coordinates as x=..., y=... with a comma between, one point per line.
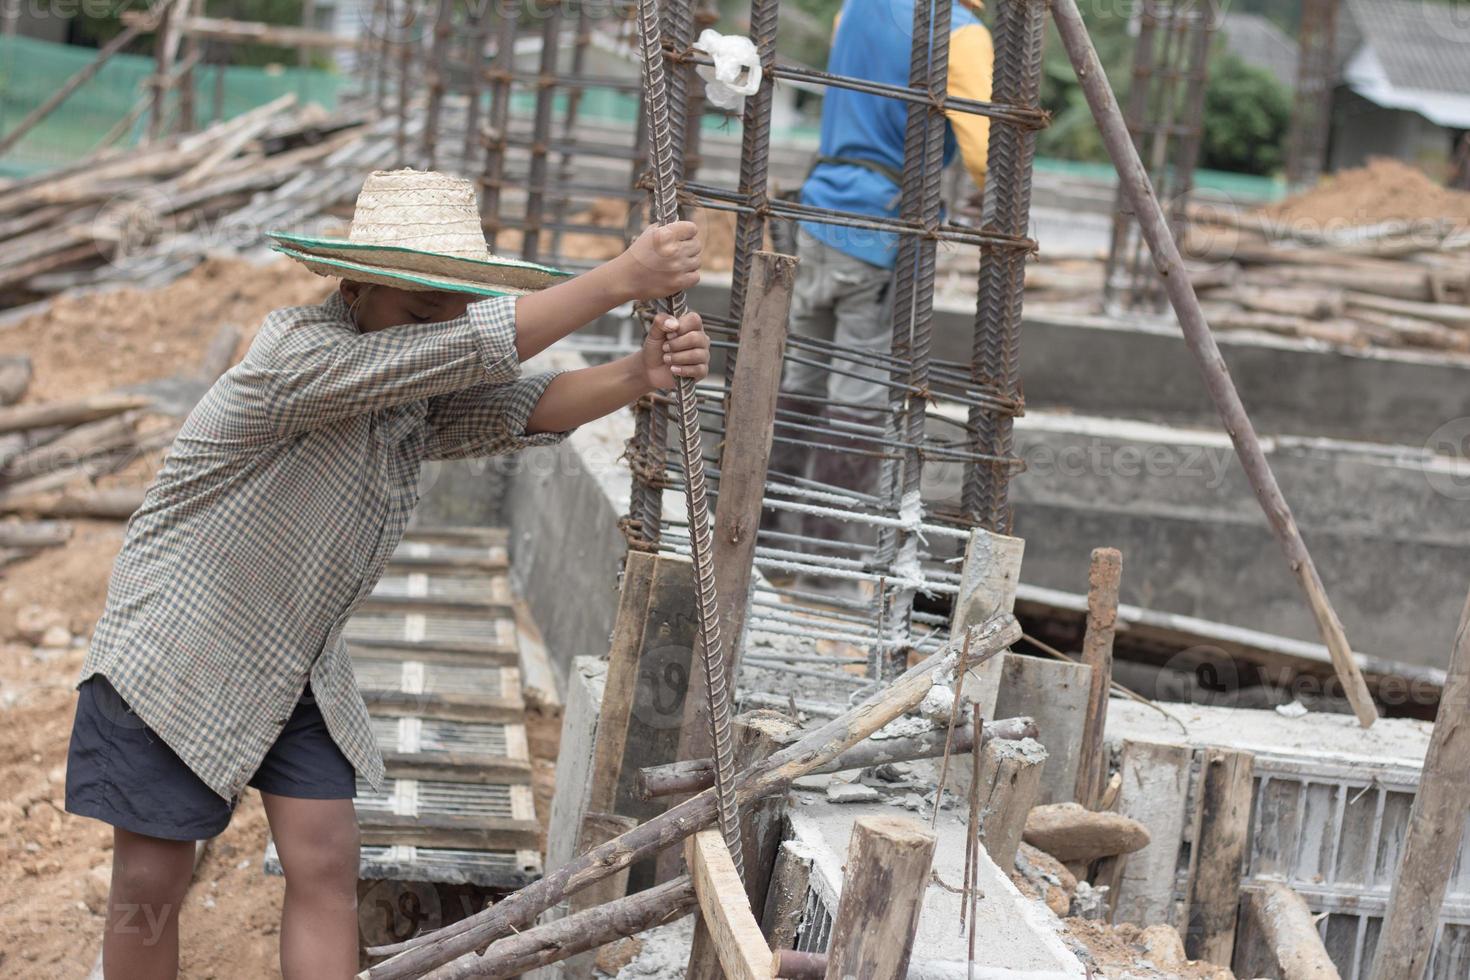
x=662, y=261
x=675, y=349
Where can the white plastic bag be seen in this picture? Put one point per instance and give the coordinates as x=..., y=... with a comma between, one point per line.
x=737, y=70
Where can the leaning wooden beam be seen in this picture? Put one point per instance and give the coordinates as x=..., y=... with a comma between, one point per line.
x=883, y=887
x=224, y=29
x=693, y=775
x=1097, y=652
x=1436, y=824
x=147, y=20
x=742, y=950
x=518, y=910
x=578, y=933
x=1154, y=226
x=33, y=534
x=750, y=415
x=1285, y=923
x=16, y=417
x=1221, y=826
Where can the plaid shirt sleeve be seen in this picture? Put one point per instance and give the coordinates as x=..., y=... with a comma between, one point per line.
x=488, y=419
x=307, y=372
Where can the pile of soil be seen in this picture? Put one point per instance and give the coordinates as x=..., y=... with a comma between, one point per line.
x=1384, y=190
x=93, y=343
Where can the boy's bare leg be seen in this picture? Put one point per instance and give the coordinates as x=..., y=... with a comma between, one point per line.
x=149, y=878
x=317, y=841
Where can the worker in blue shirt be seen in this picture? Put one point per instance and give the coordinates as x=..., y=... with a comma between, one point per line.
x=843, y=284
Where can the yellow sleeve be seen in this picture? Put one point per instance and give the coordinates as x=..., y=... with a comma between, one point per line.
x=971, y=63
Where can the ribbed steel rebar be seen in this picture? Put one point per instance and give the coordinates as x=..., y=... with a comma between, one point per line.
x=1018, y=35
x=701, y=536
x=755, y=154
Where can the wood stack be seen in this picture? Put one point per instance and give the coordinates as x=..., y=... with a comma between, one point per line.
x=1390, y=285
x=75, y=225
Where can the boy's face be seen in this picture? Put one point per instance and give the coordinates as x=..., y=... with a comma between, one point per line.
x=377, y=307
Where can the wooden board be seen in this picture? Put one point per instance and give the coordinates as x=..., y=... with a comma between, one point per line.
x=479, y=752
x=742, y=949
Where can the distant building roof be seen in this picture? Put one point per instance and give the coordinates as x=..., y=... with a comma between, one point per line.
x=1408, y=54
x=1256, y=41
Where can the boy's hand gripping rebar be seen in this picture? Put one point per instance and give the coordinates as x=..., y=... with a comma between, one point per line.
x=701, y=536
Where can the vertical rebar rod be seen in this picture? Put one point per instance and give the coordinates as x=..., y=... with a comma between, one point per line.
x=996, y=359
x=701, y=535
x=563, y=201
x=492, y=179
x=438, y=60
x=541, y=132
x=474, y=46
x=405, y=56
x=755, y=154
x=1311, y=106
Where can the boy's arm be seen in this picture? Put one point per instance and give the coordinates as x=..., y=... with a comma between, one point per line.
x=313, y=370
x=660, y=262
x=544, y=408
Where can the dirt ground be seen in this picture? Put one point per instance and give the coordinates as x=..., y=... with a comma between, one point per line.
x=53, y=881
x=1384, y=190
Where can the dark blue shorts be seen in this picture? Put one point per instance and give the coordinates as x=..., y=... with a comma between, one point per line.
x=120, y=772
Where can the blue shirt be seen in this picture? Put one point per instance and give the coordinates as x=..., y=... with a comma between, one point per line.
x=873, y=41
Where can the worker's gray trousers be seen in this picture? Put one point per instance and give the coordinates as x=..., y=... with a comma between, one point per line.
x=848, y=303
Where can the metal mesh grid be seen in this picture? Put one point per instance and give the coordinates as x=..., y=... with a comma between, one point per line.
x=434, y=735
x=432, y=796
x=389, y=675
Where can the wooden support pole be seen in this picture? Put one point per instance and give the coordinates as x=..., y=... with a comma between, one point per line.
x=725, y=910
x=416, y=956
x=757, y=735
x=1133, y=180
x=1436, y=824
x=887, y=873
x=749, y=425
x=1097, y=652
x=1221, y=826
x=1010, y=783
x=1285, y=926
x=693, y=775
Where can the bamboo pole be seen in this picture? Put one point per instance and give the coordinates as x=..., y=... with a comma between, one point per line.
x=1154, y=226
x=1436, y=825
x=517, y=911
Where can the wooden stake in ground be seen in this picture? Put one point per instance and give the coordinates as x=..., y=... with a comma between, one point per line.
x=1097, y=653
x=1221, y=825
x=1154, y=226
x=883, y=887
x=1436, y=824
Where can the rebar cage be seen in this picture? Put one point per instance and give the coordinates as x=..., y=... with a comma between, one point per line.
x=505, y=98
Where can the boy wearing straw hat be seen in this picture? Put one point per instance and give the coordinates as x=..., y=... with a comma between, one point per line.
x=219, y=661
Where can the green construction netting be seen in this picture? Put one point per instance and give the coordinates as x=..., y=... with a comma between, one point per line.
x=30, y=70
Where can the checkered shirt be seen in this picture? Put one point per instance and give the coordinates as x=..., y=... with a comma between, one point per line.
x=275, y=512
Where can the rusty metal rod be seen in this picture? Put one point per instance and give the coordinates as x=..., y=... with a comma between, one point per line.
x=1155, y=229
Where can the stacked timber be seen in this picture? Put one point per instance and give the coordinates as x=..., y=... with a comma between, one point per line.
x=88, y=221
x=1395, y=284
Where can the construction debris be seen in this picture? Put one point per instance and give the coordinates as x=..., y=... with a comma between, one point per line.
x=1071, y=833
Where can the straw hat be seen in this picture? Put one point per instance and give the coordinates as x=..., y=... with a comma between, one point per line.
x=420, y=230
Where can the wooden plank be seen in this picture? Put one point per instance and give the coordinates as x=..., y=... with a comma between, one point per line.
x=623, y=660
x=447, y=707
x=1104, y=573
x=1436, y=826
x=462, y=535
x=742, y=950
x=989, y=577
x=437, y=558
x=491, y=606
x=597, y=828
x=887, y=873
x=1221, y=827
x=446, y=830
x=786, y=896
x=477, y=655
x=749, y=421
x=757, y=735
x=457, y=767
x=1154, y=792
x=1055, y=694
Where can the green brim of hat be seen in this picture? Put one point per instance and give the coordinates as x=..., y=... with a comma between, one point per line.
x=498, y=273
x=397, y=278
